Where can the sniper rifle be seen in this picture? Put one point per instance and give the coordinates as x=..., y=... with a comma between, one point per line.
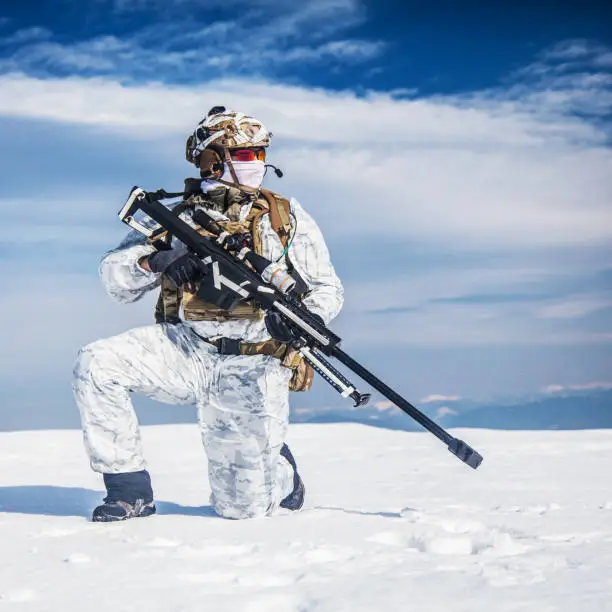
x=272, y=289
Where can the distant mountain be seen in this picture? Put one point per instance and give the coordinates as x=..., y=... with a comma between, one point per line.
x=388, y=419
x=584, y=409
x=572, y=411
x=588, y=410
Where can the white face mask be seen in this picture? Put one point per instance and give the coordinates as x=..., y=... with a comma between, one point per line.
x=249, y=173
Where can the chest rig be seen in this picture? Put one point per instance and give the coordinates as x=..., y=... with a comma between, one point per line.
x=172, y=298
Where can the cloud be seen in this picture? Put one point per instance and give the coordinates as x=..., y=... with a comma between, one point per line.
x=521, y=148
x=427, y=204
x=575, y=306
x=573, y=75
x=254, y=38
x=439, y=398
x=431, y=287
x=590, y=386
x=26, y=35
x=445, y=411
x=573, y=49
x=347, y=50
x=385, y=405
x=318, y=7
x=130, y=59
x=73, y=303
x=485, y=170
x=405, y=306
x=573, y=52
x=317, y=18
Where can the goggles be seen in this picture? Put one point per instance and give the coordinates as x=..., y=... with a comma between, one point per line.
x=248, y=155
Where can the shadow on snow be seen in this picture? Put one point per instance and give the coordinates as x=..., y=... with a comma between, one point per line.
x=75, y=501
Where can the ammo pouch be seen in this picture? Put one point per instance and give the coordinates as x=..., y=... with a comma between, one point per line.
x=302, y=372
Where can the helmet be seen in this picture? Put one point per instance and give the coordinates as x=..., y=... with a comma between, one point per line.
x=226, y=129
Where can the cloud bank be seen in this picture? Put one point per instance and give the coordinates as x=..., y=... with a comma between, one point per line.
x=490, y=169
x=473, y=219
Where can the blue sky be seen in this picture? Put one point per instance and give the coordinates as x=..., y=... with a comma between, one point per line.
x=437, y=46
x=456, y=155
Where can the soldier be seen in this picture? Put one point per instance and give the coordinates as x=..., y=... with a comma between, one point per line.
x=223, y=361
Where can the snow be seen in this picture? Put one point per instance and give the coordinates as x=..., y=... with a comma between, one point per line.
x=392, y=521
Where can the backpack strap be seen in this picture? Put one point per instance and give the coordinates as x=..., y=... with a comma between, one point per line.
x=258, y=210
x=280, y=218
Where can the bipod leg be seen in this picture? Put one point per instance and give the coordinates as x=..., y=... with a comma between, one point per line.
x=331, y=375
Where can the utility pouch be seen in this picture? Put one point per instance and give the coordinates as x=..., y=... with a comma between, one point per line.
x=303, y=374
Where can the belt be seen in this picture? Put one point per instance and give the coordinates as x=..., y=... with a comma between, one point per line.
x=226, y=346
x=237, y=346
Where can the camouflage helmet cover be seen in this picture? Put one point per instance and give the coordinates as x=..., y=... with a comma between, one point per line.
x=226, y=129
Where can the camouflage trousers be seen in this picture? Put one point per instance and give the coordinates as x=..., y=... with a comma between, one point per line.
x=242, y=403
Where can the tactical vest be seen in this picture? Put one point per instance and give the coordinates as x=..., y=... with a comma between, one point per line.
x=172, y=298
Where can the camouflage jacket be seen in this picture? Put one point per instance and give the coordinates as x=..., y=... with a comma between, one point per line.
x=126, y=281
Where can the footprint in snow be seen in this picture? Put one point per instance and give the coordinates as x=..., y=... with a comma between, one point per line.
x=444, y=545
x=390, y=538
x=508, y=575
x=487, y=542
x=537, y=509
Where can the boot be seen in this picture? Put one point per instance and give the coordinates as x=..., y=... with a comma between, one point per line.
x=295, y=499
x=129, y=495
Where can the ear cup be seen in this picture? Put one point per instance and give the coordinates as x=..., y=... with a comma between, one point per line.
x=211, y=164
x=188, y=149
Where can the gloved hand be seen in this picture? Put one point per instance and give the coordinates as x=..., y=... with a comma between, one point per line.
x=282, y=331
x=180, y=265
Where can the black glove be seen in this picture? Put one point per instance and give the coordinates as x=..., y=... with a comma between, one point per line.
x=282, y=331
x=180, y=265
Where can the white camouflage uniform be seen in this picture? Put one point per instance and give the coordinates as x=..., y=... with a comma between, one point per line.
x=242, y=401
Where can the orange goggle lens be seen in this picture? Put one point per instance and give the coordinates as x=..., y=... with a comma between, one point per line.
x=247, y=155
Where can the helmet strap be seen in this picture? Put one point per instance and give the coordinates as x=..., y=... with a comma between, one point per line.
x=228, y=161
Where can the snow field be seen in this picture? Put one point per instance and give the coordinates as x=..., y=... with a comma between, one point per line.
x=392, y=522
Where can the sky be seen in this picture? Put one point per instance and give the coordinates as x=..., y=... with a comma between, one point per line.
x=456, y=155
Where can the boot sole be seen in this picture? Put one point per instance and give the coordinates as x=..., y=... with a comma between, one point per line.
x=110, y=518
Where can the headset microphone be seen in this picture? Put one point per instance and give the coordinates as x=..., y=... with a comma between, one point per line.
x=277, y=171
